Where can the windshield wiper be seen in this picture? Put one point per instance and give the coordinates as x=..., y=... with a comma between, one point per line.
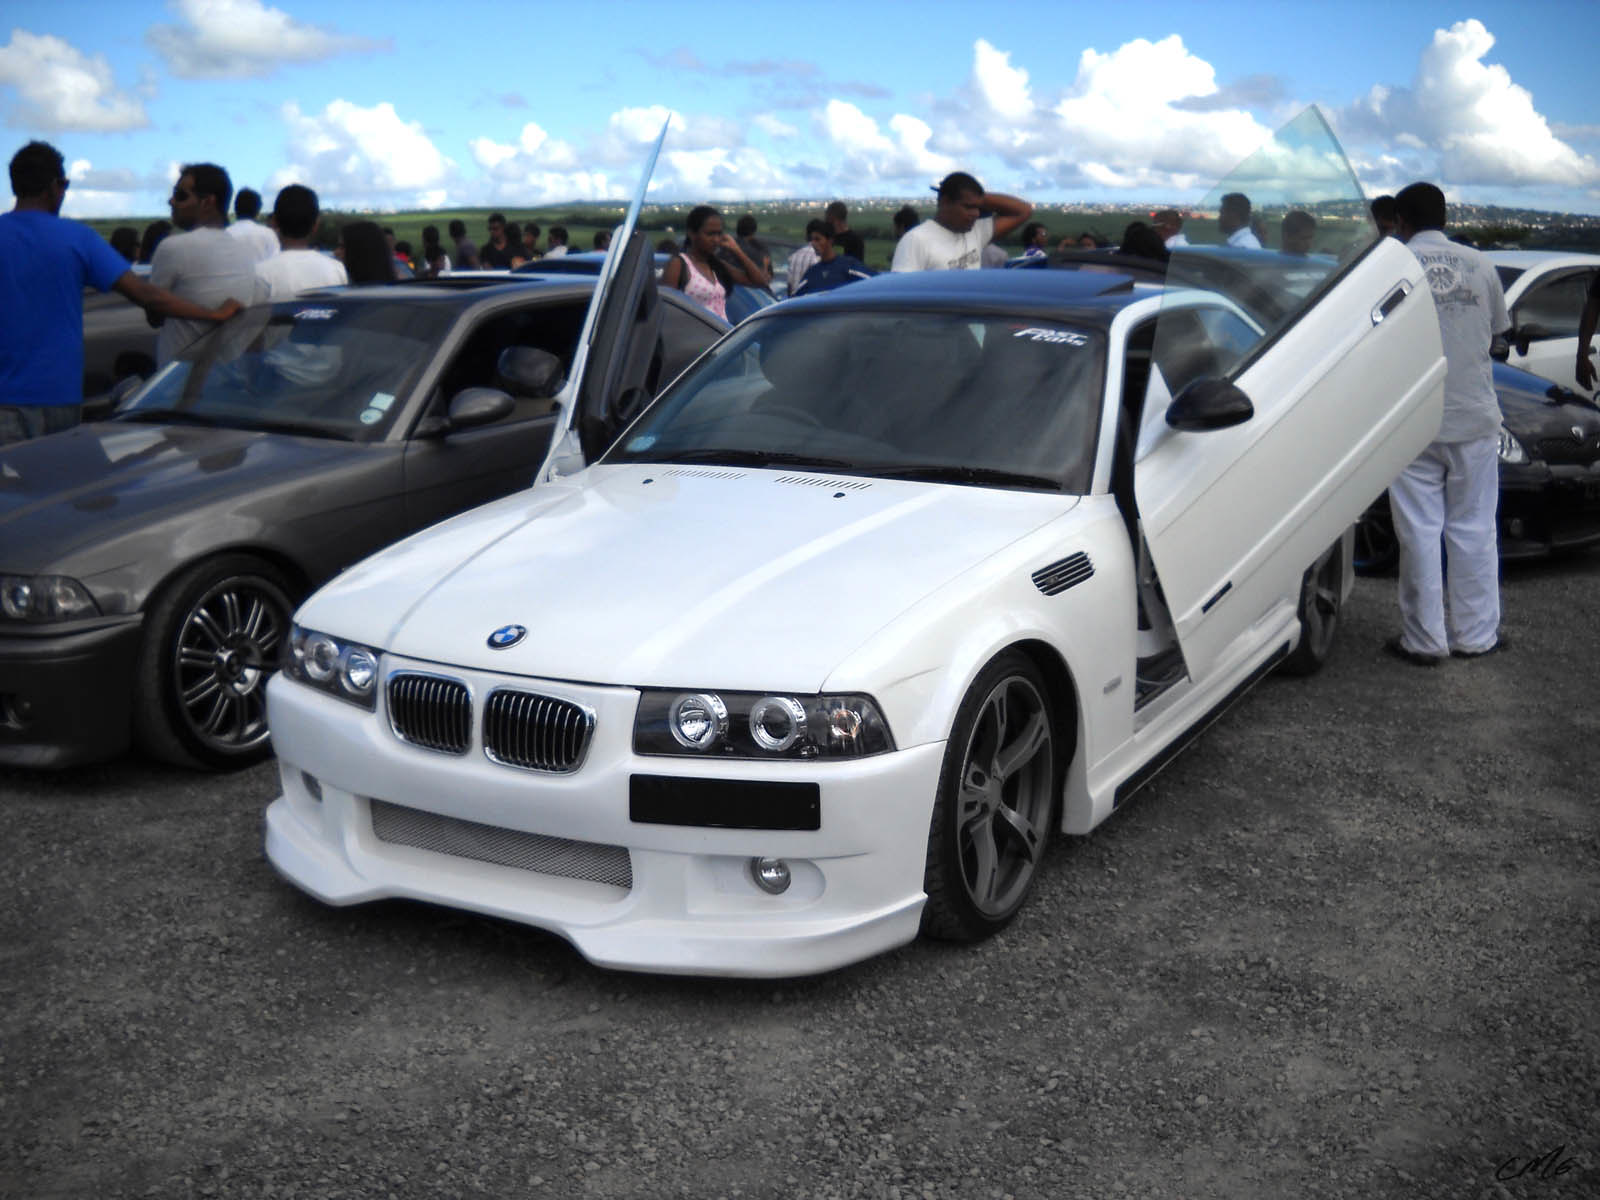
x=250, y=424
x=748, y=458
x=954, y=474
x=172, y=416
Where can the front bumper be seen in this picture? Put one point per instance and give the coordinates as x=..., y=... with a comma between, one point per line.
x=691, y=906
x=65, y=697
x=1546, y=509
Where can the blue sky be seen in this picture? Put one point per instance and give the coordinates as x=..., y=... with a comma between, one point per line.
x=403, y=104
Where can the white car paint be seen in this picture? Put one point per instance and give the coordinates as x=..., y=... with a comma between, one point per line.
x=1554, y=358
x=768, y=580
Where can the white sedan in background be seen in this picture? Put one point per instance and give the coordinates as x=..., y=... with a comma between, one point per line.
x=1545, y=291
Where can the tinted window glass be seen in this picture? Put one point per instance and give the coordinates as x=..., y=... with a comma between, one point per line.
x=314, y=367
x=886, y=393
x=1554, y=306
x=1277, y=232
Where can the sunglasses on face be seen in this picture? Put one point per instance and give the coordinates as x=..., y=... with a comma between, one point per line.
x=181, y=195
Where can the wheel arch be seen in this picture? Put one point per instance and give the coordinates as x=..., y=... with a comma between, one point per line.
x=1067, y=707
x=292, y=571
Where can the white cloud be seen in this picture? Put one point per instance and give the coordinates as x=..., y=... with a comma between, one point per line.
x=242, y=38
x=1003, y=88
x=1476, y=125
x=59, y=87
x=1122, y=116
x=489, y=154
x=362, y=154
x=870, y=154
x=774, y=127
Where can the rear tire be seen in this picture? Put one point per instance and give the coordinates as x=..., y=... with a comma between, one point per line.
x=212, y=640
x=1321, y=606
x=996, y=803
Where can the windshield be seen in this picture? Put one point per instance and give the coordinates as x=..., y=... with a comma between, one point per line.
x=947, y=397
x=314, y=367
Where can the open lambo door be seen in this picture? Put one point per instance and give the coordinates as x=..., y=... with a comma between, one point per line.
x=1273, y=449
x=618, y=364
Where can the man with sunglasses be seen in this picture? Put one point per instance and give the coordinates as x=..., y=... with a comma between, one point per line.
x=202, y=263
x=45, y=263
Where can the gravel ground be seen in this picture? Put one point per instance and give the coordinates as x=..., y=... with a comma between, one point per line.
x=1344, y=947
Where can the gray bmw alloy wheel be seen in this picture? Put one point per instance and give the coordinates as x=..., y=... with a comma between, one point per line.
x=996, y=803
x=212, y=641
x=1321, y=602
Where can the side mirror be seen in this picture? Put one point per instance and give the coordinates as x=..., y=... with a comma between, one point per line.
x=479, y=406
x=1209, y=404
x=530, y=372
x=1522, y=335
x=98, y=408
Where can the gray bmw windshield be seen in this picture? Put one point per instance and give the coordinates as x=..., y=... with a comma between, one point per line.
x=332, y=367
x=942, y=396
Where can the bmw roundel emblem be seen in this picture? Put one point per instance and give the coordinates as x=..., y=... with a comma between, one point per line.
x=506, y=636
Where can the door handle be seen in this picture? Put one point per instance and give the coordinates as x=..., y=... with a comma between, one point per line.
x=1390, y=302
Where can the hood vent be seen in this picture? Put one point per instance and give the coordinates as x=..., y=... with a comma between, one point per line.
x=701, y=473
x=854, y=485
x=1062, y=574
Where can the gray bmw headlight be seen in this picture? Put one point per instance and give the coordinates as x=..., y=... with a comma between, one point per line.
x=1511, y=450
x=707, y=724
x=344, y=669
x=39, y=599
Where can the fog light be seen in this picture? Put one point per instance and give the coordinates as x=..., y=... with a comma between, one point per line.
x=771, y=875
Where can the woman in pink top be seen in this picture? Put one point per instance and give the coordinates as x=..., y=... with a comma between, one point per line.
x=712, y=263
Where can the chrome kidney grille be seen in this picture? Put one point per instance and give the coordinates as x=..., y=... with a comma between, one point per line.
x=539, y=733
x=520, y=729
x=431, y=712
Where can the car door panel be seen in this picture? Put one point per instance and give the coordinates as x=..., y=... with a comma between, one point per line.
x=1343, y=399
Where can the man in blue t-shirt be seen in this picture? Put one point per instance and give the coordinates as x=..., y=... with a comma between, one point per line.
x=45, y=263
x=832, y=269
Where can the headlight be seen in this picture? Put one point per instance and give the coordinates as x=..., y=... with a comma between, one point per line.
x=347, y=670
x=1511, y=450
x=39, y=599
x=706, y=724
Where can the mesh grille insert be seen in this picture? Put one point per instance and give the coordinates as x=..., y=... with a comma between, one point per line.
x=541, y=733
x=535, y=852
x=431, y=712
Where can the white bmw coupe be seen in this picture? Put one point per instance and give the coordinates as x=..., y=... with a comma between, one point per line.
x=817, y=651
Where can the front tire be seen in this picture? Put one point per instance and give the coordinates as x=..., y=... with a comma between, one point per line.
x=996, y=803
x=212, y=640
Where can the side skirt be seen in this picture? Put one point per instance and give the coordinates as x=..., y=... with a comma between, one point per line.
x=1173, y=748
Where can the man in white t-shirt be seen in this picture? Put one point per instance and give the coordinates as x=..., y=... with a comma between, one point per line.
x=955, y=238
x=1447, y=497
x=203, y=263
x=262, y=241
x=298, y=268
x=1234, y=222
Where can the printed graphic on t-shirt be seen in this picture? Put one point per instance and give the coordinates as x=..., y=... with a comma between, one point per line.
x=1445, y=281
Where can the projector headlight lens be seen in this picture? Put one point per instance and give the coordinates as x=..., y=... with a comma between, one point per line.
x=766, y=725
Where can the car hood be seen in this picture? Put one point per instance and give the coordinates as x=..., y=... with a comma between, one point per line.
x=62, y=493
x=1533, y=408
x=675, y=576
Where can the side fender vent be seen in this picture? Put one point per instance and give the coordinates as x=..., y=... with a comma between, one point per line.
x=1062, y=574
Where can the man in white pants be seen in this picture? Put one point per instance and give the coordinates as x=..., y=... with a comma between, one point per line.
x=1448, y=496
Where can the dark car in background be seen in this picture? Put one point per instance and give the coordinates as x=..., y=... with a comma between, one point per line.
x=149, y=563
x=1549, y=476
